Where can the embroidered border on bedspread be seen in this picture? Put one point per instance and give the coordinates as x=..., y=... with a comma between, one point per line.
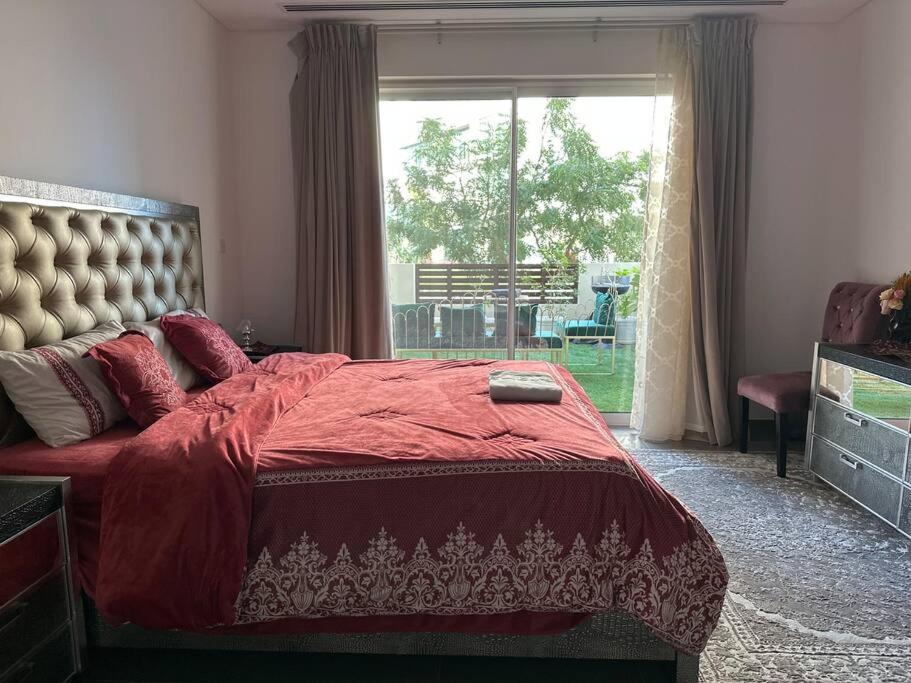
x=679, y=598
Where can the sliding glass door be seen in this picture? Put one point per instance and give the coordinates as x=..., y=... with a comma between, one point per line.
x=545, y=191
x=582, y=179
x=447, y=171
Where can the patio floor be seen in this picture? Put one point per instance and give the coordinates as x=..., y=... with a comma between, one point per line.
x=611, y=393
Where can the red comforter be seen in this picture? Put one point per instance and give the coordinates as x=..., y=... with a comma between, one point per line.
x=312, y=487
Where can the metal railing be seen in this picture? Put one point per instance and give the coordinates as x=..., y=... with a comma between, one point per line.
x=475, y=324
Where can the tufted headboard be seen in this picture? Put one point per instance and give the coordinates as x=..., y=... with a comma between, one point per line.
x=71, y=259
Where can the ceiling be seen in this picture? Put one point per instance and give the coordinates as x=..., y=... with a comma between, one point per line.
x=258, y=15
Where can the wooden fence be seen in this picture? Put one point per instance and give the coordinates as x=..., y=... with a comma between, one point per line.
x=536, y=282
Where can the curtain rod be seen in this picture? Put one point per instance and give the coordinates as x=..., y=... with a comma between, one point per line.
x=519, y=26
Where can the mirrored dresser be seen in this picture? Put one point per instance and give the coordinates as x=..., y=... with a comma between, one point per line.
x=858, y=429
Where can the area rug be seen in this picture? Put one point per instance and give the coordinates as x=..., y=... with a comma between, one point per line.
x=820, y=589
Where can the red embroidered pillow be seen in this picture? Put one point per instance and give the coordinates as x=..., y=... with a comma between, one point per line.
x=139, y=377
x=206, y=346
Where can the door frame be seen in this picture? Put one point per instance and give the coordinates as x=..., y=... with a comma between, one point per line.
x=444, y=88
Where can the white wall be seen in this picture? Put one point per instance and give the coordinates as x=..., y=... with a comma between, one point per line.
x=831, y=173
x=542, y=53
x=801, y=199
x=262, y=69
x=883, y=170
x=124, y=96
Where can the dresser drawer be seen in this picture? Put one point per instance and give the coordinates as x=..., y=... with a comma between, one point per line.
x=53, y=662
x=852, y=476
x=857, y=434
x=31, y=618
x=29, y=556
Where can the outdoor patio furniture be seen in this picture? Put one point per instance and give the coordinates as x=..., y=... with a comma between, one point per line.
x=526, y=320
x=464, y=331
x=600, y=326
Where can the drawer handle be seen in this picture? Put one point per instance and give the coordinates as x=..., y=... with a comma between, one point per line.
x=15, y=612
x=856, y=421
x=22, y=673
x=847, y=461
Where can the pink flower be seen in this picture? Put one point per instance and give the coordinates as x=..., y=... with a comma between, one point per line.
x=898, y=294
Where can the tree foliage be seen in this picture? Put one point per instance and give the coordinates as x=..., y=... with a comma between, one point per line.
x=573, y=203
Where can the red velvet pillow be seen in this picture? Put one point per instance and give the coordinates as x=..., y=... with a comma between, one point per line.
x=139, y=377
x=207, y=347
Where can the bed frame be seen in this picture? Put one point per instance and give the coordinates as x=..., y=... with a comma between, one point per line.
x=136, y=258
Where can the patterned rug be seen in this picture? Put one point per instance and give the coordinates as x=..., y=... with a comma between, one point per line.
x=820, y=590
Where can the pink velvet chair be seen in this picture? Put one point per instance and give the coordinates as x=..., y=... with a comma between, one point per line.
x=852, y=317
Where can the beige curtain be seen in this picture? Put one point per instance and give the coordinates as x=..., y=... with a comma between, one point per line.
x=723, y=128
x=341, y=253
x=663, y=348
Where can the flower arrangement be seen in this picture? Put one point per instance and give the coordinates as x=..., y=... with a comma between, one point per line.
x=893, y=299
x=892, y=304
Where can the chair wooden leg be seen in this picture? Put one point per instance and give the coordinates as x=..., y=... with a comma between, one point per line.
x=744, y=424
x=781, y=436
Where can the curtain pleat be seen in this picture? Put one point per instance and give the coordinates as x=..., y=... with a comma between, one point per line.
x=691, y=298
x=723, y=106
x=341, y=303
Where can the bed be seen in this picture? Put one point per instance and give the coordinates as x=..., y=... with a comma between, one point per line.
x=317, y=504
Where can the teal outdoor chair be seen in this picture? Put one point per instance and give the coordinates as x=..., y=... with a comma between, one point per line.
x=600, y=326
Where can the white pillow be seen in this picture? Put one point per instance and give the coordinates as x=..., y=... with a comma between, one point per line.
x=62, y=395
x=183, y=372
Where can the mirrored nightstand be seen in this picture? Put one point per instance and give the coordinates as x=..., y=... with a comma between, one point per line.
x=260, y=350
x=41, y=627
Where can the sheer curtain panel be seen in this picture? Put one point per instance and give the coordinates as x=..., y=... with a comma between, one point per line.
x=663, y=348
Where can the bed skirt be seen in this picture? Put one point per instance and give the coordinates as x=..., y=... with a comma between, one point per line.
x=610, y=636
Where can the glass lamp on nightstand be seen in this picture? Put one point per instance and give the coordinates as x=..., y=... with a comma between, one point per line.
x=246, y=329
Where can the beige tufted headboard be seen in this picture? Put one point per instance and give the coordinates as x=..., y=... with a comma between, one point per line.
x=71, y=259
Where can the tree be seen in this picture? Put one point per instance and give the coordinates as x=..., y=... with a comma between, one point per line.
x=573, y=203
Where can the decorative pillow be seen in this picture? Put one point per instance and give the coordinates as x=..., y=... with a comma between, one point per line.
x=206, y=346
x=139, y=376
x=182, y=371
x=605, y=309
x=62, y=395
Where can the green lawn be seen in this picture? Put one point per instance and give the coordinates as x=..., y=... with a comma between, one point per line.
x=881, y=398
x=611, y=393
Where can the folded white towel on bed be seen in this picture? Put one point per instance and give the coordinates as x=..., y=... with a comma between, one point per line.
x=514, y=385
